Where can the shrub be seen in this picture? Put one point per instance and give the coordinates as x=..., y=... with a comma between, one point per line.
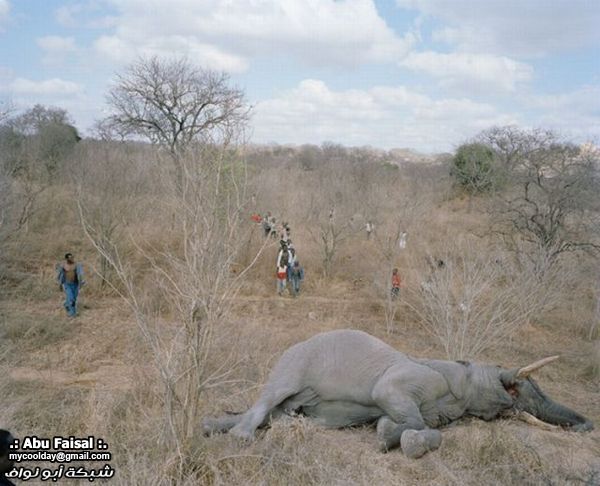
x=473, y=167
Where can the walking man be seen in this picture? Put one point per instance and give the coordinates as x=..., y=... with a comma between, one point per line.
x=283, y=259
x=296, y=277
x=70, y=279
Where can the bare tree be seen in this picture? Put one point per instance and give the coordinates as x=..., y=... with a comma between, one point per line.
x=33, y=147
x=6, y=108
x=511, y=144
x=172, y=103
x=107, y=130
x=330, y=229
x=108, y=177
x=475, y=299
x=309, y=156
x=551, y=202
x=390, y=242
x=194, y=276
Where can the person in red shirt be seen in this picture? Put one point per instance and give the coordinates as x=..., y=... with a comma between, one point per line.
x=281, y=279
x=396, y=283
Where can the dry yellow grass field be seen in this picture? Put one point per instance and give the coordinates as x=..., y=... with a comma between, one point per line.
x=91, y=376
x=95, y=374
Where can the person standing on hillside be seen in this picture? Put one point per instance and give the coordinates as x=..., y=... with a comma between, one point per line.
x=70, y=279
x=281, y=279
x=286, y=232
x=266, y=222
x=284, y=256
x=296, y=278
x=291, y=260
x=283, y=259
x=396, y=283
x=369, y=227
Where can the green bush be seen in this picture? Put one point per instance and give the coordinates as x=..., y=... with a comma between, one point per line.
x=473, y=167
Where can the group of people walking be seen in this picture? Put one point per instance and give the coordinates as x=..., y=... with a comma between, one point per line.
x=289, y=270
x=290, y=274
x=269, y=225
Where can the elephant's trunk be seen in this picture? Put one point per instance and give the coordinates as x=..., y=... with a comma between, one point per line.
x=557, y=414
x=528, y=397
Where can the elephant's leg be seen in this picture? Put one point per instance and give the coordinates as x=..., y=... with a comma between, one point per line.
x=413, y=442
x=414, y=439
x=260, y=412
x=219, y=425
x=224, y=424
x=404, y=424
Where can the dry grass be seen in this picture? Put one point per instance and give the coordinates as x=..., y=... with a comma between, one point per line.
x=77, y=398
x=91, y=375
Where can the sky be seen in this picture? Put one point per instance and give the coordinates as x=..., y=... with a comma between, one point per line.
x=419, y=74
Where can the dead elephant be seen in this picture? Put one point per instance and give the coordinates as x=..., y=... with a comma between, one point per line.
x=345, y=378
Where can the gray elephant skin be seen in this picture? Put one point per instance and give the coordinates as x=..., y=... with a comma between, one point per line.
x=345, y=378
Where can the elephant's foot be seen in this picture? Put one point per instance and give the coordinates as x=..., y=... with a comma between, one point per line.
x=210, y=426
x=242, y=433
x=416, y=443
x=388, y=433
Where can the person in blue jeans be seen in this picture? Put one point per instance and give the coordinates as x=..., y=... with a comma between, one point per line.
x=296, y=277
x=70, y=279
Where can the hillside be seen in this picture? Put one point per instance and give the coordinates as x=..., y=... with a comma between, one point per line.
x=97, y=374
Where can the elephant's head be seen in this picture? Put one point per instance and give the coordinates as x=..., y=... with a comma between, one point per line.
x=495, y=391
x=528, y=397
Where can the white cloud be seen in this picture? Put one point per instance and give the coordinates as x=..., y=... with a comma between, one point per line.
x=381, y=116
x=119, y=50
x=228, y=34
x=55, y=43
x=67, y=15
x=471, y=72
x=56, y=48
x=514, y=27
x=48, y=87
x=83, y=14
x=575, y=113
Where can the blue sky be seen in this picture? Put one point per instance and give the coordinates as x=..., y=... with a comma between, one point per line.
x=422, y=74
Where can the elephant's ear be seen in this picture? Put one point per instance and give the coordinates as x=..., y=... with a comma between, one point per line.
x=509, y=377
x=509, y=381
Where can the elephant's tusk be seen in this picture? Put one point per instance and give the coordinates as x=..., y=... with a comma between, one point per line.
x=527, y=370
x=530, y=419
